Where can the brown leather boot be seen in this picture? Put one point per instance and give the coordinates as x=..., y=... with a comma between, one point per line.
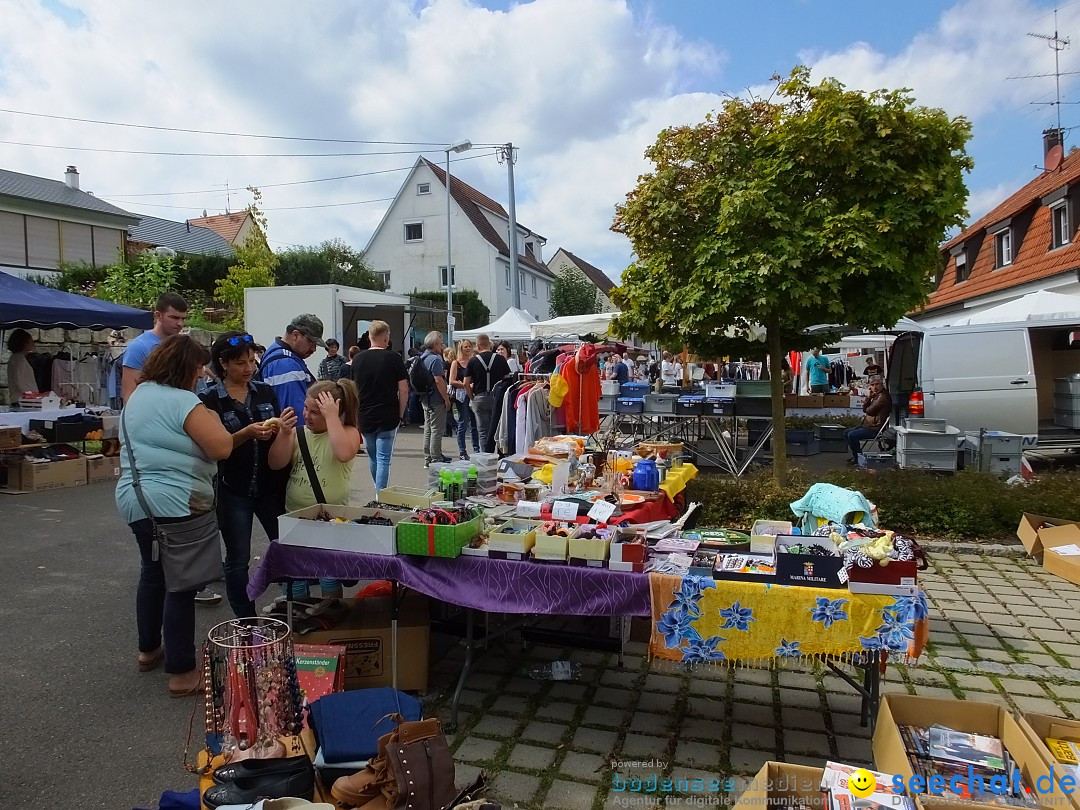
x=363, y=786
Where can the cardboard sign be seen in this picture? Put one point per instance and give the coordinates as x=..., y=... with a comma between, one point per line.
x=602, y=511
x=528, y=509
x=564, y=510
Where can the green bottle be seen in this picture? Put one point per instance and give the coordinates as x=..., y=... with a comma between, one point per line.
x=472, y=479
x=445, y=484
x=459, y=486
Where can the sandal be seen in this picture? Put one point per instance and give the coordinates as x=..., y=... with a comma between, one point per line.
x=151, y=663
x=197, y=689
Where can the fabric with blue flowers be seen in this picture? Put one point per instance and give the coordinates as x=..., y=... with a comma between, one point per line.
x=701, y=620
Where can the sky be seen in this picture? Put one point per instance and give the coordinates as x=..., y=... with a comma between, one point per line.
x=580, y=87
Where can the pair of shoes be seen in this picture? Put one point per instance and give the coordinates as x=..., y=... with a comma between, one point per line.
x=197, y=689
x=245, y=782
x=151, y=663
x=207, y=597
x=441, y=460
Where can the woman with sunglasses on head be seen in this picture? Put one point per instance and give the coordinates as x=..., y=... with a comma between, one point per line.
x=247, y=487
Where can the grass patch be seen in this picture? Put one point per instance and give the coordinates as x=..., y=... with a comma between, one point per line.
x=965, y=506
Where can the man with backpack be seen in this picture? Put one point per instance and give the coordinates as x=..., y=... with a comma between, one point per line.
x=428, y=379
x=485, y=369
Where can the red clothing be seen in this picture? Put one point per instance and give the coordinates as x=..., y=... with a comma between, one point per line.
x=582, y=403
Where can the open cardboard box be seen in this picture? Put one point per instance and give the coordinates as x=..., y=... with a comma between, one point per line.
x=890, y=754
x=1040, y=726
x=299, y=528
x=1040, y=543
x=779, y=784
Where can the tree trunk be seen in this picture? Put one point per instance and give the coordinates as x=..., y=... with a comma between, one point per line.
x=776, y=363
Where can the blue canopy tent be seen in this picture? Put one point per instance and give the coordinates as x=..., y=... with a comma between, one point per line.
x=26, y=304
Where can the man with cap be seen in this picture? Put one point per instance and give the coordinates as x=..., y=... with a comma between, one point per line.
x=283, y=367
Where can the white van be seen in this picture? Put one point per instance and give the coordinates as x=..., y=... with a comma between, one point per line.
x=996, y=376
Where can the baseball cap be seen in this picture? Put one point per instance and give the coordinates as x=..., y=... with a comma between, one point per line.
x=310, y=327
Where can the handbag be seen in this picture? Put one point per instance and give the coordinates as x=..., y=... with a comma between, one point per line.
x=190, y=548
x=305, y=454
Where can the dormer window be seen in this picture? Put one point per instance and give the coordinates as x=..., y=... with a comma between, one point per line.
x=529, y=250
x=959, y=254
x=1003, y=248
x=1059, y=219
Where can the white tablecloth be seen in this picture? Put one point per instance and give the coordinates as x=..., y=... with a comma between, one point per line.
x=21, y=419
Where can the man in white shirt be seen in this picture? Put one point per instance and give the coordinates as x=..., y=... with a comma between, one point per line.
x=670, y=370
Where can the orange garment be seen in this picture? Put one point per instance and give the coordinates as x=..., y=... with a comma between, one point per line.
x=582, y=402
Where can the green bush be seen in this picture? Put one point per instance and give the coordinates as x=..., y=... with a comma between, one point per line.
x=965, y=506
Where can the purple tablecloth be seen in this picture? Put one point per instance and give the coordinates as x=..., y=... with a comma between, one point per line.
x=495, y=586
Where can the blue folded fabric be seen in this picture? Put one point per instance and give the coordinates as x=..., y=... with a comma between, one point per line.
x=349, y=724
x=175, y=800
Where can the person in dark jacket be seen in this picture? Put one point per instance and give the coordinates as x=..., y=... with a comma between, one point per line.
x=876, y=409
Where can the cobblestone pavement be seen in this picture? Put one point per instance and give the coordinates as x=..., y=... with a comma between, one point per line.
x=1002, y=631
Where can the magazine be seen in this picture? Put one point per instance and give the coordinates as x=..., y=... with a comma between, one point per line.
x=949, y=745
x=834, y=782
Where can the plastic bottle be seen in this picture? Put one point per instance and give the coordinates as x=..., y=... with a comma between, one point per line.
x=556, y=671
x=459, y=486
x=473, y=474
x=444, y=484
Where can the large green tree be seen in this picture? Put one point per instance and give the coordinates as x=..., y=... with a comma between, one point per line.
x=572, y=293
x=819, y=205
x=332, y=262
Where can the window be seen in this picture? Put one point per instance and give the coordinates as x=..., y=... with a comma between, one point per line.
x=529, y=250
x=414, y=231
x=1003, y=248
x=43, y=242
x=534, y=287
x=508, y=278
x=547, y=290
x=423, y=188
x=1059, y=217
x=76, y=242
x=521, y=281
x=442, y=275
x=384, y=276
x=108, y=245
x=962, y=271
x=12, y=239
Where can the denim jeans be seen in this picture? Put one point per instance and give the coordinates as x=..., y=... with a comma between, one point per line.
x=856, y=436
x=380, y=449
x=160, y=616
x=482, y=407
x=235, y=513
x=434, y=426
x=466, y=420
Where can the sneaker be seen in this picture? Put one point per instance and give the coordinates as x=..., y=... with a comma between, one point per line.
x=463, y=456
x=441, y=460
x=207, y=597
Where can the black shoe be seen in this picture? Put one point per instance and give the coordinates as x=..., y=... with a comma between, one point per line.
x=249, y=789
x=259, y=767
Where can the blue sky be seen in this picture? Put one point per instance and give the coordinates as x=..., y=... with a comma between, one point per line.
x=581, y=86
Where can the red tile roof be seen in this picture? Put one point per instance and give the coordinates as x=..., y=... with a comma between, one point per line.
x=1032, y=260
x=228, y=225
x=593, y=273
x=470, y=200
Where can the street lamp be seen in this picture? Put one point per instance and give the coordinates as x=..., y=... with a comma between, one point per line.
x=459, y=147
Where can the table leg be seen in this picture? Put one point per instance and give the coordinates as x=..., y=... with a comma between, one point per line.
x=464, y=667
x=394, y=603
x=288, y=603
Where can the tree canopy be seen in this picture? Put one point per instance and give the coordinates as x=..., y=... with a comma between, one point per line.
x=572, y=293
x=331, y=262
x=820, y=205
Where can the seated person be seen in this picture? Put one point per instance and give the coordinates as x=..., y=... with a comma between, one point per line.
x=876, y=409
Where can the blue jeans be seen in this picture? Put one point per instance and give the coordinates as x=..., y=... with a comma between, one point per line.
x=466, y=419
x=856, y=436
x=235, y=513
x=380, y=448
x=160, y=616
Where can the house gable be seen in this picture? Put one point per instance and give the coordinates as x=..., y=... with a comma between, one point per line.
x=594, y=274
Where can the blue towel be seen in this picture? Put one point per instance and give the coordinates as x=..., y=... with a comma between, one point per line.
x=833, y=503
x=349, y=724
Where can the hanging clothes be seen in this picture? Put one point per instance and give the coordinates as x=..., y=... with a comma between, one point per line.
x=582, y=403
x=538, y=419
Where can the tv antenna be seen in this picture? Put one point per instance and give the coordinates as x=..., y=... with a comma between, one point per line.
x=1057, y=43
x=228, y=195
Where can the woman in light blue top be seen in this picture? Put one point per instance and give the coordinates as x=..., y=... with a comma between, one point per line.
x=177, y=443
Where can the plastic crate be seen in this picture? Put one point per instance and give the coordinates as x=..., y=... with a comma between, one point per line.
x=799, y=436
x=829, y=432
x=634, y=389
x=810, y=448
x=629, y=405
x=660, y=403
x=921, y=440
x=940, y=460
x=719, y=407
x=877, y=461
x=925, y=424
x=753, y=388
x=833, y=445
x=690, y=406
x=427, y=540
x=1067, y=402
x=753, y=406
x=1067, y=385
x=1070, y=419
x=607, y=403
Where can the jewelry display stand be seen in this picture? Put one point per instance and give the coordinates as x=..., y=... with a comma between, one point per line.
x=252, y=696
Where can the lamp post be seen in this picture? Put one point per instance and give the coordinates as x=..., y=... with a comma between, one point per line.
x=506, y=153
x=459, y=147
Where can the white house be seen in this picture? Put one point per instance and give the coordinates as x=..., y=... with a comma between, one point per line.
x=409, y=246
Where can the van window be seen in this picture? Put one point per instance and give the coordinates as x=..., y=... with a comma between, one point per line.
x=903, y=364
x=981, y=354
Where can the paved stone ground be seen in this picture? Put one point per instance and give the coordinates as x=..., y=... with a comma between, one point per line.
x=1003, y=631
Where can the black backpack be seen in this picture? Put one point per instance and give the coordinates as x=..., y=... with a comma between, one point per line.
x=421, y=380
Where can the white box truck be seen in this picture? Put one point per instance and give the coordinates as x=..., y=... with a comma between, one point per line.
x=997, y=376
x=346, y=313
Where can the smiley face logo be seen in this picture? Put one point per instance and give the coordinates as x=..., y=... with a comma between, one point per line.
x=861, y=783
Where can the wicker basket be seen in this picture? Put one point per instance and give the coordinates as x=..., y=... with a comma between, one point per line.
x=668, y=449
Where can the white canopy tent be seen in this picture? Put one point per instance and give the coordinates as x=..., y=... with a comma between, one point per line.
x=1036, y=306
x=512, y=325
x=571, y=326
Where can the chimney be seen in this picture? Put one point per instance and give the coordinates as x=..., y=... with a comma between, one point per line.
x=71, y=177
x=1053, y=149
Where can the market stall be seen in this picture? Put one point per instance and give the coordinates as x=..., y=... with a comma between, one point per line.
x=513, y=325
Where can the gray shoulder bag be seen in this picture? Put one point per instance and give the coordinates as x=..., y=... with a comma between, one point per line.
x=190, y=548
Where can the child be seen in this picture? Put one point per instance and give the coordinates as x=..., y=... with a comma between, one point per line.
x=330, y=413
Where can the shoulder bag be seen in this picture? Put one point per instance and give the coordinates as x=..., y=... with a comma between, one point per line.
x=189, y=548
x=309, y=465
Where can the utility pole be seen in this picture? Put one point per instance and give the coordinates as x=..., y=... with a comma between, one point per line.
x=507, y=153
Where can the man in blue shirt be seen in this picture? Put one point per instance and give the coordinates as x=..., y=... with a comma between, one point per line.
x=818, y=369
x=283, y=366
x=170, y=312
x=622, y=373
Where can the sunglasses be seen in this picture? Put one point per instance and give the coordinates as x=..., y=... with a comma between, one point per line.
x=236, y=341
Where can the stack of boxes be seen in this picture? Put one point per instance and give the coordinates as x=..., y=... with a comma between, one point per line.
x=1067, y=401
x=994, y=452
x=927, y=444
x=831, y=438
x=631, y=397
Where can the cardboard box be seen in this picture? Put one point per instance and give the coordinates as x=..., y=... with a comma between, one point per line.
x=856, y=401
x=412, y=497
x=1038, y=541
x=837, y=401
x=365, y=635
x=99, y=469
x=791, y=400
x=808, y=570
x=300, y=529
x=811, y=400
x=891, y=756
x=624, y=549
x=1040, y=726
x=10, y=437
x=520, y=542
x=47, y=475
x=779, y=784
x=764, y=543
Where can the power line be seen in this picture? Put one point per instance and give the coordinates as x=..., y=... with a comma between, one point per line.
x=293, y=183
x=286, y=208
x=216, y=132
x=213, y=154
